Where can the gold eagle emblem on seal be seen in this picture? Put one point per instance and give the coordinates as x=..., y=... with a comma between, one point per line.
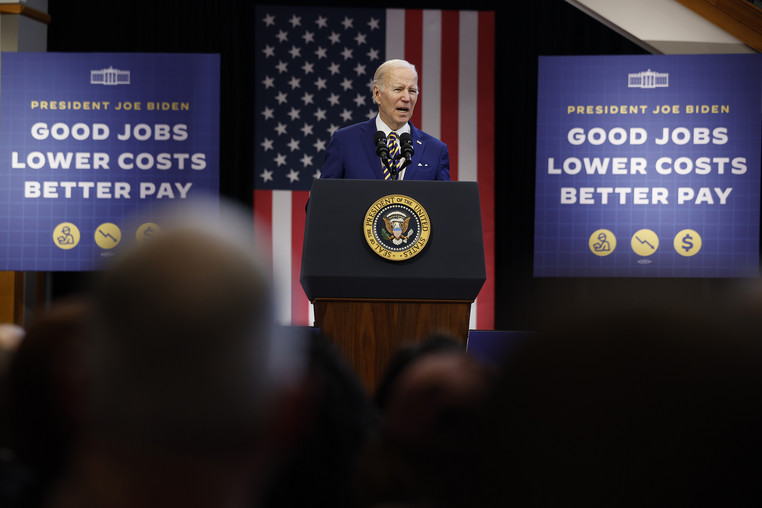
x=397, y=227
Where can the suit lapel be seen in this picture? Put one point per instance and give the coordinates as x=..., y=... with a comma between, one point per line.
x=369, y=129
x=418, y=147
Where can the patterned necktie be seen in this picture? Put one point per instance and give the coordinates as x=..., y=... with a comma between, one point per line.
x=394, y=150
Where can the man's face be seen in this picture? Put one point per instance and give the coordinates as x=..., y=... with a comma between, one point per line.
x=397, y=99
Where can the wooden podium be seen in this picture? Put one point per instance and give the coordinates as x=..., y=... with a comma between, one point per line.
x=369, y=305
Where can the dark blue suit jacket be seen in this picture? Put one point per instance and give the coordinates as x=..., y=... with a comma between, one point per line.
x=352, y=154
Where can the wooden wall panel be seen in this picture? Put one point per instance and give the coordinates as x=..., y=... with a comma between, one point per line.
x=739, y=18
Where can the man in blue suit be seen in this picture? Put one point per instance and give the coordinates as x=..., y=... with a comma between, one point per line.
x=351, y=153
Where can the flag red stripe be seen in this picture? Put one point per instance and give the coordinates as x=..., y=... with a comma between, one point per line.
x=450, y=70
x=299, y=302
x=486, y=162
x=263, y=219
x=414, y=50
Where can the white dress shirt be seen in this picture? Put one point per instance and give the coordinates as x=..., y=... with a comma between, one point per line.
x=381, y=126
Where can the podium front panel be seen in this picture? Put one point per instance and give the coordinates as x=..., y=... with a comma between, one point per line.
x=337, y=261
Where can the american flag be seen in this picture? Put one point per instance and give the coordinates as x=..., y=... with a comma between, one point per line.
x=314, y=69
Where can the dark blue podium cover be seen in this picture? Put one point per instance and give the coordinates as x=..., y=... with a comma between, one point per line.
x=338, y=262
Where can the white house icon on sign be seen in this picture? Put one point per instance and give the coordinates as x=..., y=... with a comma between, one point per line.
x=109, y=76
x=648, y=79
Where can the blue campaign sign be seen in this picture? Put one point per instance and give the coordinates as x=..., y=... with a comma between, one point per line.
x=93, y=145
x=648, y=166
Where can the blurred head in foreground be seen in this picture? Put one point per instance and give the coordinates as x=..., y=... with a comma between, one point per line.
x=185, y=354
x=43, y=388
x=10, y=338
x=648, y=407
x=428, y=449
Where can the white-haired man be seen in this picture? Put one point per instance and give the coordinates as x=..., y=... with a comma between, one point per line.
x=352, y=151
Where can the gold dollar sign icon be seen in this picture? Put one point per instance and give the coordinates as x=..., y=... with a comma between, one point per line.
x=687, y=242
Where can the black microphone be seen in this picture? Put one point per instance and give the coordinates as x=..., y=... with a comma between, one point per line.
x=406, y=147
x=381, y=149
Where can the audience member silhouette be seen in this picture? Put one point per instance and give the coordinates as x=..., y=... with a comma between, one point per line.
x=428, y=447
x=407, y=355
x=189, y=379
x=10, y=338
x=13, y=479
x=44, y=395
x=340, y=419
x=638, y=407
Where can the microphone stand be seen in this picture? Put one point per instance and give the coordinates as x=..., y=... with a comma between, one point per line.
x=389, y=163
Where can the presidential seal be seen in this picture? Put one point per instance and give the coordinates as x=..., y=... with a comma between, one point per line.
x=396, y=227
